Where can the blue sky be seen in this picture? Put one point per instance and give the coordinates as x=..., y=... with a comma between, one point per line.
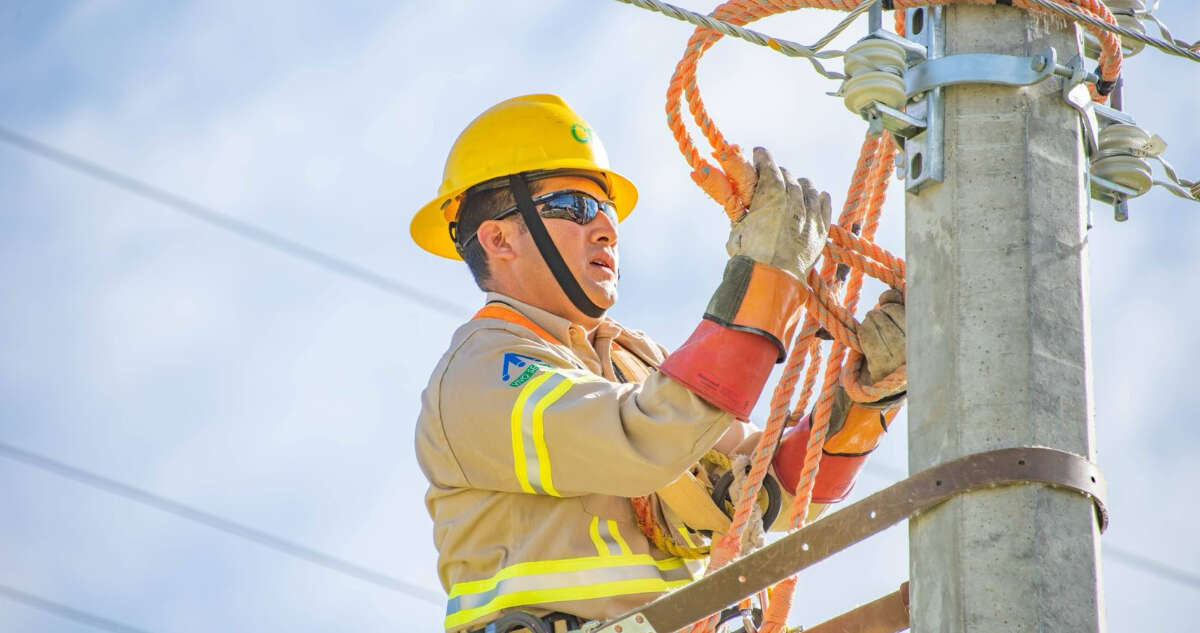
x=169, y=355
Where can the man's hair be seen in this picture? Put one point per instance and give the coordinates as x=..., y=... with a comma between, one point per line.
x=480, y=204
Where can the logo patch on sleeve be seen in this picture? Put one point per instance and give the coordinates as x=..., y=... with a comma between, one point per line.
x=513, y=362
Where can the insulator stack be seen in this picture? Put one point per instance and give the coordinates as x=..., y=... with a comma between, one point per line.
x=1122, y=157
x=875, y=72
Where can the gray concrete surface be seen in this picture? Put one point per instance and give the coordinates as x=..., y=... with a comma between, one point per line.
x=998, y=346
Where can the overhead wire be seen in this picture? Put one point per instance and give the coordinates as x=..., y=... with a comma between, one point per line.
x=789, y=48
x=222, y=524
x=1166, y=32
x=279, y=243
x=241, y=228
x=811, y=52
x=66, y=611
x=1170, y=48
x=1153, y=567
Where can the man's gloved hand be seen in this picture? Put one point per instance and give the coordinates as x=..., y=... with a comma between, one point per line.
x=751, y=317
x=882, y=335
x=787, y=222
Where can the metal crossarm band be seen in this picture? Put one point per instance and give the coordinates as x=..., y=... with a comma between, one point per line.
x=832, y=534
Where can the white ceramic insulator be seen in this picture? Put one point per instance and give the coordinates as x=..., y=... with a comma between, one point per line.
x=1118, y=158
x=875, y=68
x=884, y=87
x=875, y=54
x=1123, y=137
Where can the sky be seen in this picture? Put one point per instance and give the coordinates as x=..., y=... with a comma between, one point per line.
x=166, y=354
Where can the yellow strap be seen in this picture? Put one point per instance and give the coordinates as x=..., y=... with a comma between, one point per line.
x=689, y=499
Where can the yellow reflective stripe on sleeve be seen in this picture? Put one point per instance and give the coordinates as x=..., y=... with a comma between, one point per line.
x=538, y=582
x=616, y=534
x=539, y=435
x=597, y=540
x=518, y=443
x=531, y=456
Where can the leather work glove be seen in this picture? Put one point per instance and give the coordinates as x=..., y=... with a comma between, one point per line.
x=787, y=223
x=882, y=335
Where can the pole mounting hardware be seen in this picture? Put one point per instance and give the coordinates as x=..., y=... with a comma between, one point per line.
x=1119, y=151
x=924, y=151
x=980, y=68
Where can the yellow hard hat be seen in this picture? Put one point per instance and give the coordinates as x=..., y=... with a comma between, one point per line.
x=533, y=132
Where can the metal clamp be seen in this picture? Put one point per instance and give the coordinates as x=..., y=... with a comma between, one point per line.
x=980, y=68
x=924, y=150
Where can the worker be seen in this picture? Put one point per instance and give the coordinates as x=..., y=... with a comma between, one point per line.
x=544, y=418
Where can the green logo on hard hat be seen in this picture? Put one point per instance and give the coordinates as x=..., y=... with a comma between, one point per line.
x=582, y=133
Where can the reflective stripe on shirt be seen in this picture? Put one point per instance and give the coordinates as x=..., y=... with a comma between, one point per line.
x=539, y=582
x=607, y=537
x=531, y=459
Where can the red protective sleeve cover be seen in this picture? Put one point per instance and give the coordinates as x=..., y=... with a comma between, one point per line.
x=835, y=477
x=726, y=367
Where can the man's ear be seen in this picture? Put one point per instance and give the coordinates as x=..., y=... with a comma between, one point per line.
x=496, y=238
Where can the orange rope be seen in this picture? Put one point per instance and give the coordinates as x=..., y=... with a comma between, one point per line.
x=731, y=183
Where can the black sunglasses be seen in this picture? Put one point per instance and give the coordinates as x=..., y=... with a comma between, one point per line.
x=576, y=206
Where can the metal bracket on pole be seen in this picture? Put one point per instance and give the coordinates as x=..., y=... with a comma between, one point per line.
x=924, y=152
x=881, y=117
x=1076, y=93
x=980, y=68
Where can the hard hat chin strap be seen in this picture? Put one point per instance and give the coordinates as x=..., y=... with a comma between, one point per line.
x=545, y=245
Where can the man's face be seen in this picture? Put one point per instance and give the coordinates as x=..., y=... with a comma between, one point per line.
x=590, y=250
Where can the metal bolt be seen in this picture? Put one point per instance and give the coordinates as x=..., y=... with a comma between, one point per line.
x=618, y=628
x=741, y=579
x=638, y=618
x=1121, y=211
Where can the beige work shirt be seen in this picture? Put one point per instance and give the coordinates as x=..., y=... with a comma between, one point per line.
x=532, y=449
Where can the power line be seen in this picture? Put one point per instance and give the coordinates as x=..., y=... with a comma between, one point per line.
x=265, y=539
x=1153, y=567
x=64, y=611
x=353, y=271
x=891, y=473
x=233, y=225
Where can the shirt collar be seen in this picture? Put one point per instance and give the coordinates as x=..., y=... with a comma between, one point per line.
x=559, y=327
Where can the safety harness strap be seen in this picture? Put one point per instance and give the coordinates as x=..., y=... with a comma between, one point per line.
x=545, y=245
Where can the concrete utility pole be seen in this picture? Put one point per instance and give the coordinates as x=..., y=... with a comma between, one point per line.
x=998, y=345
